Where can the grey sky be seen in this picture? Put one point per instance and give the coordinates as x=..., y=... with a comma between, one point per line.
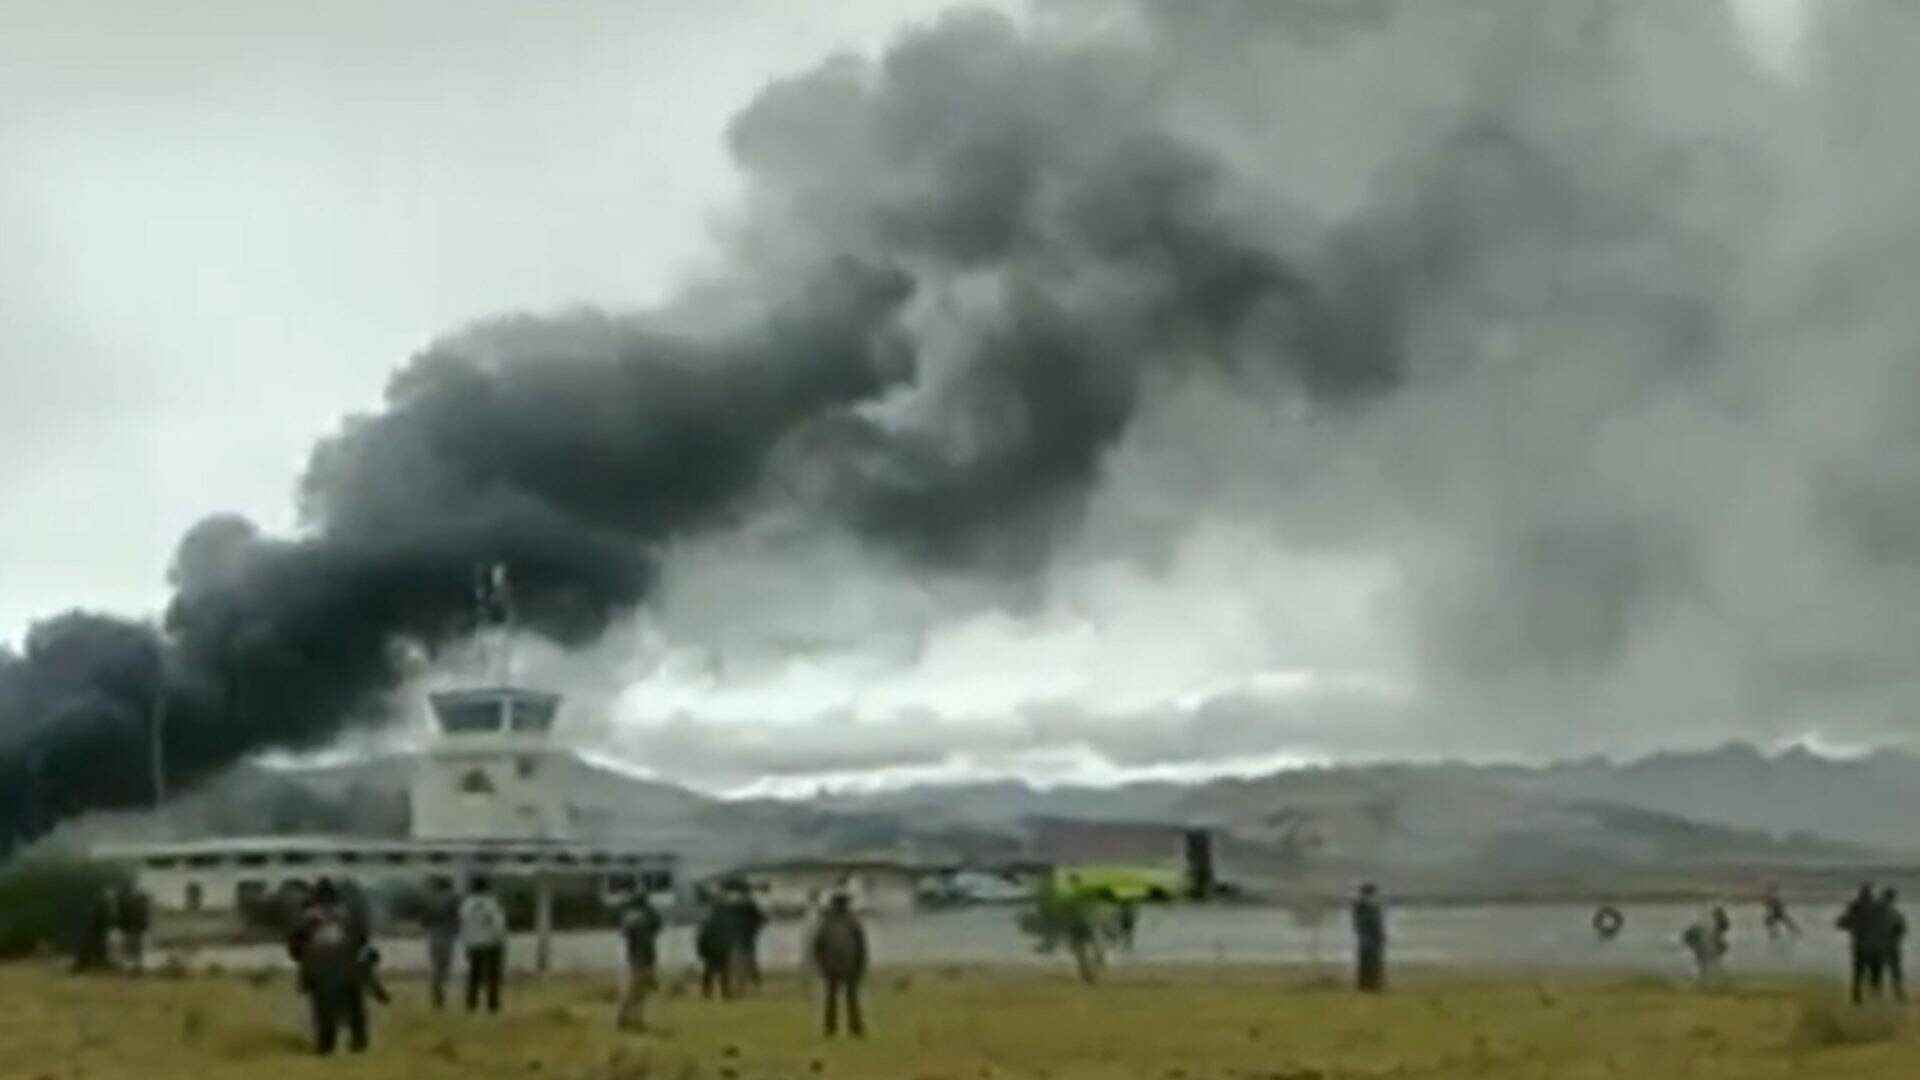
x=222, y=229
x=223, y=224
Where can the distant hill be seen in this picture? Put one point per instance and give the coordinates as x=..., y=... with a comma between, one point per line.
x=1572, y=827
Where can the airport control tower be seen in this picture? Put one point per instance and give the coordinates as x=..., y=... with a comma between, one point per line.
x=489, y=773
x=492, y=771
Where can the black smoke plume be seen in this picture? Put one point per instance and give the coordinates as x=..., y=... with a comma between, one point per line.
x=1486, y=260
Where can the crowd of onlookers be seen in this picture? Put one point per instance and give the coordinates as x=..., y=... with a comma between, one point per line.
x=338, y=966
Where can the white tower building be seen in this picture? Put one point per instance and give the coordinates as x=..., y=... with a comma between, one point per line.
x=492, y=768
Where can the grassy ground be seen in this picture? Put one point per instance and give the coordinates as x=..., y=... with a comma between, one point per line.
x=977, y=1025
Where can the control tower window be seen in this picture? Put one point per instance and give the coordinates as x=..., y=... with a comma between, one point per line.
x=533, y=714
x=469, y=716
x=477, y=782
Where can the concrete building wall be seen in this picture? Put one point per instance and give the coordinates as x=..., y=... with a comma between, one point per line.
x=488, y=787
x=216, y=877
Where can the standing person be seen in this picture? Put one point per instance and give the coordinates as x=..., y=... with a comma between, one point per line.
x=840, y=952
x=748, y=922
x=1894, y=943
x=440, y=919
x=93, y=948
x=1865, y=926
x=1774, y=915
x=640, y=927
x=136, y=919
x=809, y=969
x=1370, y=940
x=1129, y=924
x=713, y=945
x=328, y=943
x=483, y=933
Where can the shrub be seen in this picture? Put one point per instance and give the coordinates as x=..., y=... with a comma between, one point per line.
x=44, y=900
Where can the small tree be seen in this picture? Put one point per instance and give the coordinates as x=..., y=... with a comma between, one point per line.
x=1058, y=918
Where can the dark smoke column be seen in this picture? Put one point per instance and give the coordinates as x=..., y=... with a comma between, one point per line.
x=563, y=449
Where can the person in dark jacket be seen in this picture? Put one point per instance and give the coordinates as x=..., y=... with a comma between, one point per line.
x=93, y=947
x=1370, y=940
x=330, y=946
x=1893, y=943
x=640, y=927
x=713, y=944
x=839, y=949
x=1866, y=927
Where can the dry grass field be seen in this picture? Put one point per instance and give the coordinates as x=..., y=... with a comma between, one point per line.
x=975, y=1025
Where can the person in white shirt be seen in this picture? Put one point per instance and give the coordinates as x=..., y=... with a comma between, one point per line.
x=483, y=933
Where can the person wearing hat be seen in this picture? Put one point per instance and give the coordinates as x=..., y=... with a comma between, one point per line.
x=839, y=950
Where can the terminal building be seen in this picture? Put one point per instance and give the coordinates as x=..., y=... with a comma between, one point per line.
x=489, y=796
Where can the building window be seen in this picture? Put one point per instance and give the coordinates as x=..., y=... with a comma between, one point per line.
x=525, y=766
x=477, y=782
x=469, y=716
x=252, y=860
x=194, y=896
x=162, y=862
x=203, y=861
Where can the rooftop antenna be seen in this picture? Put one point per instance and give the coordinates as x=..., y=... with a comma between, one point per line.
x=493, y=597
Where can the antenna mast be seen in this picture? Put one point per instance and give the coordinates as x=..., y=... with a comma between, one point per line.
x=494, y=598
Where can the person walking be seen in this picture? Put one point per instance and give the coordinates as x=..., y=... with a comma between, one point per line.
x=840, y=953
x=440, y=919
x=640, y=927
x=328, y=944
x=1893, y=943
x=1706, y=940
x=1370, y=940
x=1779, y=924
x=483, y=934
x=1865, y=926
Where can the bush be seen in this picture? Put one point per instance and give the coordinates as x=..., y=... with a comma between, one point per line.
x=1059, y=918
x=1824, y=1023
x=44, y=900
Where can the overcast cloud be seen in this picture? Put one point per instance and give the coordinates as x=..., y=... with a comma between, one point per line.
x=1289, y=381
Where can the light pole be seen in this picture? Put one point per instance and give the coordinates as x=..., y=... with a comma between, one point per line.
x=157, y=723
